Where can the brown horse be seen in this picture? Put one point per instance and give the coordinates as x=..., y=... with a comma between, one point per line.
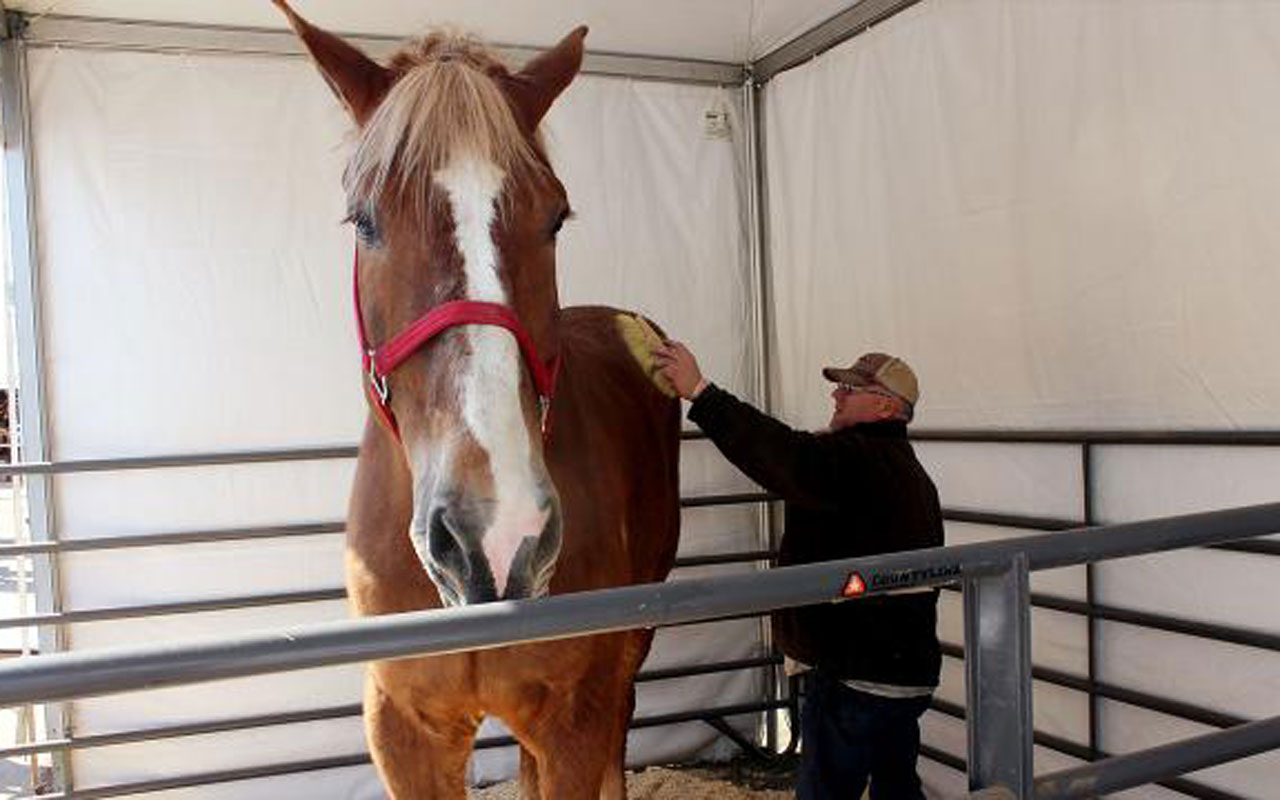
x=516, y=448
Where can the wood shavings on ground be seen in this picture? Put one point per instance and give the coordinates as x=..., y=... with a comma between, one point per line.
x=736, y=780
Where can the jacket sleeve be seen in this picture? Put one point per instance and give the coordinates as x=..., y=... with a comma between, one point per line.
x=798, y=465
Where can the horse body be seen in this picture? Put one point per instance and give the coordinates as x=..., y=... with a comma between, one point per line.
x=567, y=702
x=498, y=464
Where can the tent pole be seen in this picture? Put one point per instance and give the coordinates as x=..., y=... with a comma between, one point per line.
x=758, y=265
x=23, y=316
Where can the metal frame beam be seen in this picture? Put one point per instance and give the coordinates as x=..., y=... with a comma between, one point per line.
x=160, y=37
x=843, y=26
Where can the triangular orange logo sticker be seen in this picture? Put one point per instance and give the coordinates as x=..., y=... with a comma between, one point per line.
x=855, y=586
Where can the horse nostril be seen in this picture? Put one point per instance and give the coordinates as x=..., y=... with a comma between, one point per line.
x=535, y=561
x=443, y=547
x=454, y=560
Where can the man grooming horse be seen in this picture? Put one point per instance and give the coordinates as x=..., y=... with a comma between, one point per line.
x=856, y=489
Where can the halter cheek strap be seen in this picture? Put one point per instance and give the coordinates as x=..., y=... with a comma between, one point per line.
x=380, y=362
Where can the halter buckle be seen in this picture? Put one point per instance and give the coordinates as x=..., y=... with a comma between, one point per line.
x=378, y=382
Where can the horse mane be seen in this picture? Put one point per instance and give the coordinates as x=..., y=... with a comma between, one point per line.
x=446, y=101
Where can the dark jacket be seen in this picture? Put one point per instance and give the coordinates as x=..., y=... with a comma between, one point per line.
x=856, y=491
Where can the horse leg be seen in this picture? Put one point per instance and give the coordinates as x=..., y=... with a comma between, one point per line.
x=580, y=748
x=528, y=775
x=417, y=757
x=614, y=785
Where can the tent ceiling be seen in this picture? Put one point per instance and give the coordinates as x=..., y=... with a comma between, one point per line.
x=734, y=31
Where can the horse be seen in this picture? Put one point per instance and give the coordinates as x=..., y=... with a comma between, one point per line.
x=514, y=448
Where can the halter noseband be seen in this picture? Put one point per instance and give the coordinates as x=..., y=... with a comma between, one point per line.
x=380, y=362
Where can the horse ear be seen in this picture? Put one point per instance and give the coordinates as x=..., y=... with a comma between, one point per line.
x=359, y=82
x=536, y=87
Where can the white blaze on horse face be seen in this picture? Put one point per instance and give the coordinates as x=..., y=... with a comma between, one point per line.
x=490, y=384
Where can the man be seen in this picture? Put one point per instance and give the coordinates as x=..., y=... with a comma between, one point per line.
x=855, y=489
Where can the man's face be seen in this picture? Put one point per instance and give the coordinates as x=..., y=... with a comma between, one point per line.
x=858, y=404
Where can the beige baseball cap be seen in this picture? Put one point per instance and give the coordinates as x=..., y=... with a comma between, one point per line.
x=878, y=369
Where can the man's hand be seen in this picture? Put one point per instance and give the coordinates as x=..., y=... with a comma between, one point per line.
x=680, y=368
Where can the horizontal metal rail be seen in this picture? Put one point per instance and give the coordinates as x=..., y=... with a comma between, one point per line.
x=1038, y=737
x=737, y=498
x=81, y=674
x=1204, y=630
x=237, y=602
x=230, y=457
x=1161, y=622
x=1131, y=697
x=208, y=778
x=141, y=735
x=1135, y=769
x=319, y=714
x=749, y=556
x=1146, y=619
x=1227, y=634
x=1265, y=547
x=117, y=613
x=98, y=543
x=354, y=760
x=101, y=543
x=943, y=757
x=674, y=718
x=160, y=37
x=1067, y=747
x=1011, y=520
x=221, y=458
x=1259, y=438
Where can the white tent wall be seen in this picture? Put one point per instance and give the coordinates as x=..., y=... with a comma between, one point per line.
x=1059, y=212
x=196, y=290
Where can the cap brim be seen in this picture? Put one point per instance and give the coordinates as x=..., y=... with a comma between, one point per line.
x=844, y=375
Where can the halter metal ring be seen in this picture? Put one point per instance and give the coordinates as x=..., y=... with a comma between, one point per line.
x=378, y=382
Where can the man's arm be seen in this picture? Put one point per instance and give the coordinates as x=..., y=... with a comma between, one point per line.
x=794, y=464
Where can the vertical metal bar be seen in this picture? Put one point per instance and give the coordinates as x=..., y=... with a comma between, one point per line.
x=997, y=636
x=757, y=246
x=758, y=260
x=30, y=425
x=760, y=380
x=1091, y=618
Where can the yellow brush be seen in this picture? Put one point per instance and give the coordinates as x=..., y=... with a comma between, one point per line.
x=641, y=339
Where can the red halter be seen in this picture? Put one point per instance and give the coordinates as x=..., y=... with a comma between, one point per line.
x=380, y=362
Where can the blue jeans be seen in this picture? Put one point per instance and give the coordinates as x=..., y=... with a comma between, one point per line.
x=851, y=736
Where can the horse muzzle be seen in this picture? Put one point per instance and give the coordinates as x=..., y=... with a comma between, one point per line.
x=478, y=551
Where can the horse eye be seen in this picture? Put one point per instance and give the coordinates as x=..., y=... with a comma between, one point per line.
x=366, y=228
x=563, y=216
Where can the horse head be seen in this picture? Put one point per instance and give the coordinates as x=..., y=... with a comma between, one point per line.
x=456, y=211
